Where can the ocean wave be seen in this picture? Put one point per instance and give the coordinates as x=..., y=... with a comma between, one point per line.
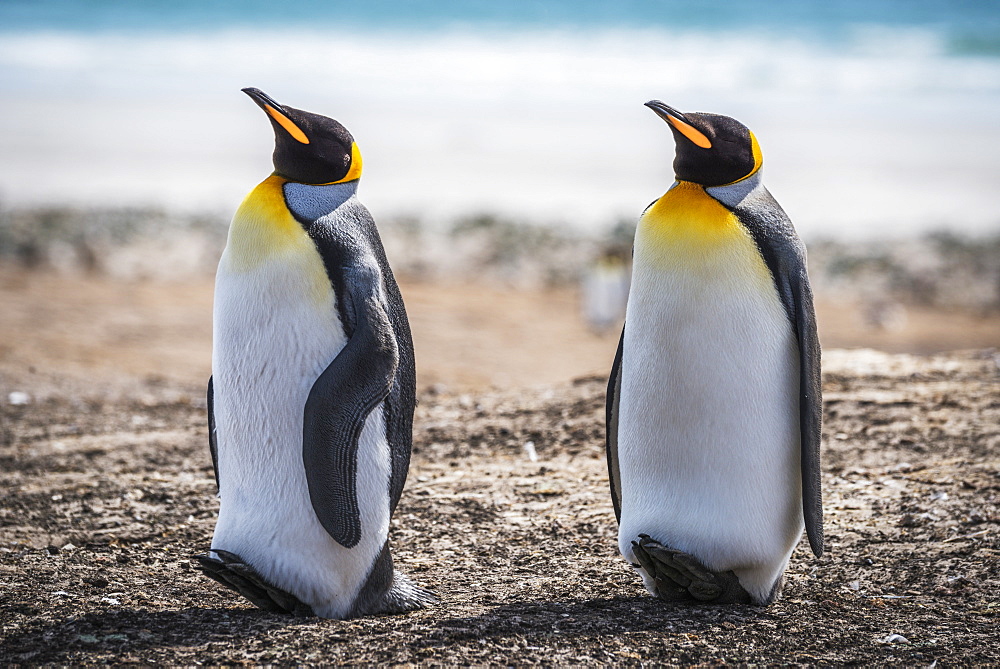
x=563, y=64
x=540, y=124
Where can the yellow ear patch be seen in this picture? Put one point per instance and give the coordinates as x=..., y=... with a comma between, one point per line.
x=354, y=172
x=758, y=157
x=287, y=124
x=690, y=132
x=758, y=160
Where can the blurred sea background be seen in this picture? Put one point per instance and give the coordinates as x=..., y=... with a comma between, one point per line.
x=508, y=153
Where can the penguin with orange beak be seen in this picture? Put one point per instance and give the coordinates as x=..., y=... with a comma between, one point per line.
x=312, y=391
x=714, y=401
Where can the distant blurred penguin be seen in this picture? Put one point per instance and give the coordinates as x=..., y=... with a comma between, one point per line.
x=605, y=292
x=312, y=391
x=714, y=402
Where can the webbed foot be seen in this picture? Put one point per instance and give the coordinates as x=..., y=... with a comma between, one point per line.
x=681, y=577
x=230, y=570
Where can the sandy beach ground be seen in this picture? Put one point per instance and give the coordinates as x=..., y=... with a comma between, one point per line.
x=108, y=491
x=62, y=329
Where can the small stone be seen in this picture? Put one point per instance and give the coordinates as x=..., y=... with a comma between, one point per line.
x=894, y=638
x=18, y=398
x=530, y=452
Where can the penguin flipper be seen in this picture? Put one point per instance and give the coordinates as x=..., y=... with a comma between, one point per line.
x=611, y=426
x=810, y=413
x=338, y=252
x=357, y=380
x=213, y=442
x=785, y=257
x=681, y=577
x=230, y=570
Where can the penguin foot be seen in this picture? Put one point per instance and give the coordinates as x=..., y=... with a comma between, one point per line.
x=233, y=573
x=405, y=596
x=681, y=577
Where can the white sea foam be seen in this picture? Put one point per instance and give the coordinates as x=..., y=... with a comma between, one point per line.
x=546, y=125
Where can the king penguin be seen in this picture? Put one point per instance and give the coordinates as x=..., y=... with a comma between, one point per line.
x=714, y=405
x=311, y=399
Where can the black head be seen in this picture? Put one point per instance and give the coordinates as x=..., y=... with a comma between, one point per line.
x=712, y=150
x=309, y=148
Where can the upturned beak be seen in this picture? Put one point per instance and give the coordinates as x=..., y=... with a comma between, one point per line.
x=277, y=113
x=678, y=121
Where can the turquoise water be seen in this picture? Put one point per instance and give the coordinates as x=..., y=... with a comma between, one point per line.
x=968, y=26
x=529, y=109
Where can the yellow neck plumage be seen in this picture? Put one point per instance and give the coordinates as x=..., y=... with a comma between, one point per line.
x=262, y=226
x=687, y=216
x=689, y=230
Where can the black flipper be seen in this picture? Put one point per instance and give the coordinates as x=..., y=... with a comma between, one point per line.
x=339, y=252
x=356, y=266
x=785, y=257
x=230, y=570
x=213, y=444
x=681, y=577
x=611, y=428
x=343, y=396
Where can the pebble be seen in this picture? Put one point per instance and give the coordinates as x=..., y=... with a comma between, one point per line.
x=895, y=638
x=18, y=398
x=530, y=452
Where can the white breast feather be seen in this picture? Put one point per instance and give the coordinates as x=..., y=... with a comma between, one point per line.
x=708, y=442
x=271, y=343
